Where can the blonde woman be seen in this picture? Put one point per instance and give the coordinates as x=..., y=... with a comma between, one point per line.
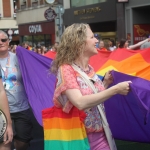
x=77, y=45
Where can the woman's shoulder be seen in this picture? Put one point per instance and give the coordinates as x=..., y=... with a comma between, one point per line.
x=66, y=66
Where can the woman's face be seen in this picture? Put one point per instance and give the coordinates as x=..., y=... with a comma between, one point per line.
x=126, y=44
x=101, y=44
x=110, y=43
x=90, y=45
x=39, y=51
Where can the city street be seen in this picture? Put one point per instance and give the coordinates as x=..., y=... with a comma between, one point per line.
x=75, y=54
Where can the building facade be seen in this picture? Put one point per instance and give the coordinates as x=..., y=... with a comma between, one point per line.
x=8, y=20
x=101, y=15
x=137, y=20
x=110, y=19
x=33, y=25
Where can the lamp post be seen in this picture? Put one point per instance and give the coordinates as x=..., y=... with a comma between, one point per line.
x=59, y=11
x=59, y=19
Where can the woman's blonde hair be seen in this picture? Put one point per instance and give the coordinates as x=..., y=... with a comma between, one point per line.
x=71, y=46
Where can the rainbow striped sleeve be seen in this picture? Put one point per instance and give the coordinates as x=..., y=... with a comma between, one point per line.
x=64, y=131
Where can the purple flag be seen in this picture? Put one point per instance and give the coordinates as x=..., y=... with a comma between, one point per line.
x=39, y=83
x=128, y=116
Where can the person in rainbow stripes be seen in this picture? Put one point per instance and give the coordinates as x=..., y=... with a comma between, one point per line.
x=77, y=45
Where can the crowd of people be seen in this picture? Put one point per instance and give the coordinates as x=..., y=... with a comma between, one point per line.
x=109, y=45
x=42, y=50
x=77, y=46
x=104, y=45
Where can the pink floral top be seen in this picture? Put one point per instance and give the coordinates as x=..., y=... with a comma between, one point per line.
x=68, y=78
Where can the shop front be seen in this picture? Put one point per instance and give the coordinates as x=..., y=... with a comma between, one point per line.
x=38, y=34
x=137, y=20
x=100, y=15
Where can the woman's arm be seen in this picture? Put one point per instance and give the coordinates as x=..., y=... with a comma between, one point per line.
x=5, y=108
x=88, y=101
x=138, y=44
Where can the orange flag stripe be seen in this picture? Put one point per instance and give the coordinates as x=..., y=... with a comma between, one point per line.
x=134, y=65
x=61, y=123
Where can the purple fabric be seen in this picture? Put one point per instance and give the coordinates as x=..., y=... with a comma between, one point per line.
x=128, y=116
x=39, y=83
x=98, y=141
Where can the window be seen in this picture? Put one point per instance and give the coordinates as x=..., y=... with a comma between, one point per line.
x=79, y=3
x=38, y=40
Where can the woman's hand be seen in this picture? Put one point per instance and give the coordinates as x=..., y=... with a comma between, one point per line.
x=108, y=79
x=123, y=87
x=8, y=136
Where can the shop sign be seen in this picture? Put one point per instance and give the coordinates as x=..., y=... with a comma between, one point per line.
x=10, y=32
x=87, y=17
x=140, y=32
x=35, y=28
x=87, y=11
x=50, y=14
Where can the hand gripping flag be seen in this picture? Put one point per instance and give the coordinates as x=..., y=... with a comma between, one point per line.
x=129, y=116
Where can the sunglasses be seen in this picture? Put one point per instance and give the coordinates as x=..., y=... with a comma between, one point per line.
x=4, y=40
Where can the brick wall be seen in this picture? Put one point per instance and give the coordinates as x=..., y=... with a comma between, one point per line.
x=29, y=3
x=6, y=8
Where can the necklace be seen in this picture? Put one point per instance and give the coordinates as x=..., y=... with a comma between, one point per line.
x=5, y=71
x=86, y=71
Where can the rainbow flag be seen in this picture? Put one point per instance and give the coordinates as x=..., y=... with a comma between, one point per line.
x=128, y=116
x=131, y=62
x=64, y=131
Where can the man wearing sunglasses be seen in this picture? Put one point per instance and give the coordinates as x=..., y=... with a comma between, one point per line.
x=17, y=98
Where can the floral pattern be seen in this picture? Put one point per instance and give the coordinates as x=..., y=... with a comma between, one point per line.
x=68, y=78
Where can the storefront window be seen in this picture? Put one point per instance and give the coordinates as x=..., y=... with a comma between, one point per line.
x=27, y=39
x=78, y=3
x=48, y=41
x=38, y=40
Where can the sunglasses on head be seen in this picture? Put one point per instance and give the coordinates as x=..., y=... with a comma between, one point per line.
x=4, y=40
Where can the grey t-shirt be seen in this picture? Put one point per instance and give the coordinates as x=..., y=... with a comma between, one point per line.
x=13, y=83
x=145, y=45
